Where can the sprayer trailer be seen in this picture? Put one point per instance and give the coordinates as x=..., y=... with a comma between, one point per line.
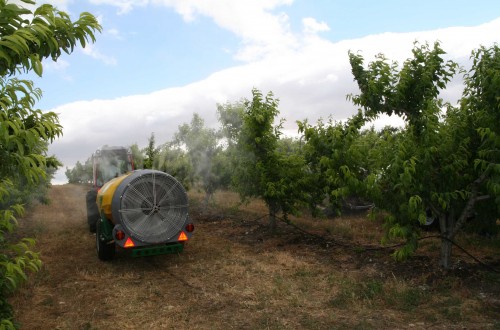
x=144, y=212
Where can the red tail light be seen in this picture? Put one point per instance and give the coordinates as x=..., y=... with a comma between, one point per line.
x=189, y=227
x=119, y=235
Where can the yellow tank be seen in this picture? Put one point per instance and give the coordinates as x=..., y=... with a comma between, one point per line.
x=105, y=196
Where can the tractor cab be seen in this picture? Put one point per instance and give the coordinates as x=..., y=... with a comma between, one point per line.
x=109, y=163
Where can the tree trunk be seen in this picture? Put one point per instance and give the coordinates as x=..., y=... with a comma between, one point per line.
x=450, y=224
x=446, y=224
x=445, y=257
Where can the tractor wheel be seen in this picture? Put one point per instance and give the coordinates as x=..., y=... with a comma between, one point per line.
x=105, y=249
x=92, y=211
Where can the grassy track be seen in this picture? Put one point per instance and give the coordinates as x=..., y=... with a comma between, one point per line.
x=234, y=274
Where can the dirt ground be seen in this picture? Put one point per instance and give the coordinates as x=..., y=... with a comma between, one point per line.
x=236, y=274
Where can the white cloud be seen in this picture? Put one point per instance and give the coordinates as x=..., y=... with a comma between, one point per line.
x=261, y=31
x=312, y=26
x=115, y=33
x=310, y=76
x=124, y=6
x=93, y=52
x=59, y=65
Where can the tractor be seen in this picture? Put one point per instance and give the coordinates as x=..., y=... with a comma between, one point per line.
x=107, y=163
x=144, y=212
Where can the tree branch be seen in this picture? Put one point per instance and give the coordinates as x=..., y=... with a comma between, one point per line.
x=471, y=202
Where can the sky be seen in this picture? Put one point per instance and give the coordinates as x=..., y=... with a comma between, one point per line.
x=157, y=62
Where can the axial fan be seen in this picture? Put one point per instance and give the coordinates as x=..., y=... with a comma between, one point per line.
x=151, y=205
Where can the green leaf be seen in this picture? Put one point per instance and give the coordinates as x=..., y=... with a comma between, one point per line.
x=36, y=64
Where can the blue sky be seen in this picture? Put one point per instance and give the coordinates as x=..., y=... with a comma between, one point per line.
x=157, y=62
x=151, y=47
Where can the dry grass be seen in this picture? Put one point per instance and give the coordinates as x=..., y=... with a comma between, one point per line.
x=235, y=274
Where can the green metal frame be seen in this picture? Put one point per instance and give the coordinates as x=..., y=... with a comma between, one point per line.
x=156, y=250
x=106, y=229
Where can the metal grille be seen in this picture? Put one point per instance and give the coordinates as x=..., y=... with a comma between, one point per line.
x=154, y=207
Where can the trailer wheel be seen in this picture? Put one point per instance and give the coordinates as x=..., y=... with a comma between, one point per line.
x=105, y=249
x=92, y=211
